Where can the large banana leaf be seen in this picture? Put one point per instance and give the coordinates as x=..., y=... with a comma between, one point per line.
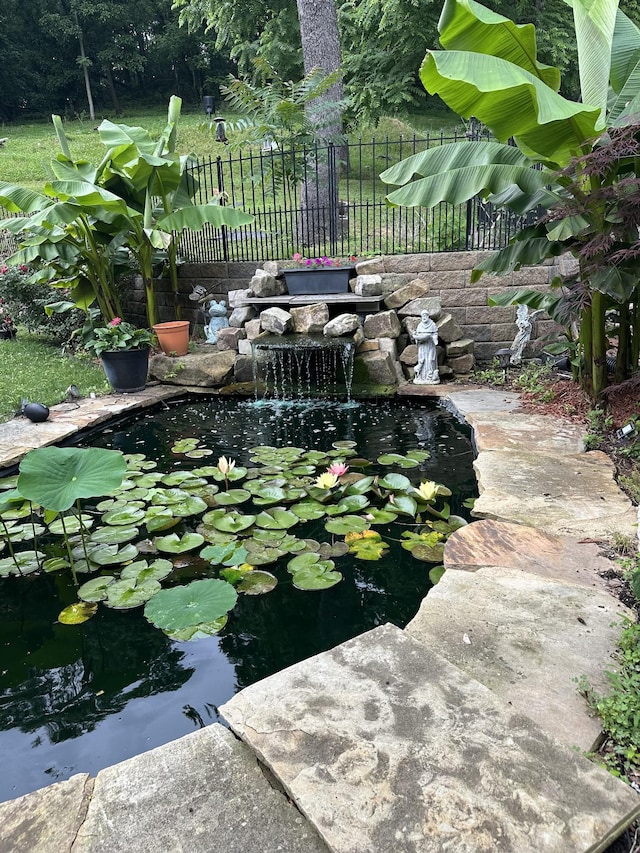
x=511, y=102
x=113, y=135
x=458, y=171
x=21, y=200
x=196, y=217
x=595, y=21
x=466, y=25
x=625, y=71
x=531, y=246
x=86, y=194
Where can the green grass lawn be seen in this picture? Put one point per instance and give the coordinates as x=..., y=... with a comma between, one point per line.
x=33, y=369
x=25, y=157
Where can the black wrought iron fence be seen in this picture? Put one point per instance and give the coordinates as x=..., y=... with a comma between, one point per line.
x=329, y=200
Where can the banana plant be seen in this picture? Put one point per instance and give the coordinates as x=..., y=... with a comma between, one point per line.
x=90, y=222
x=489, y=69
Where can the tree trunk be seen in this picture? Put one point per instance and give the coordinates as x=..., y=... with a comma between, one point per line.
x=84, y=62
x=318, y=219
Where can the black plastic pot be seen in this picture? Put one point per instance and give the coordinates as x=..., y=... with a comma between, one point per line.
x=322, y=280
x=126, y=370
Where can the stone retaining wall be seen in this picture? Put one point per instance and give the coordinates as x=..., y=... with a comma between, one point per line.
x=447, y=275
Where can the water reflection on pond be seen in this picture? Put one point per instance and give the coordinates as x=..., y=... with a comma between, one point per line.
x=78, y=698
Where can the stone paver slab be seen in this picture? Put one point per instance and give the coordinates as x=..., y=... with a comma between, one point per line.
x=574, y=495
x=47, y=820
x=527, y=639
x=515, y=430
x=385, y=745
x=203, y=793
x=516, y=546
x=482, y=400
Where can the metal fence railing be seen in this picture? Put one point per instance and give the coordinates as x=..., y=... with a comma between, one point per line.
x=329, y=200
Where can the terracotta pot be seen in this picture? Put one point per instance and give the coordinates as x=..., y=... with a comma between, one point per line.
x=173, y=337
x=126, y=369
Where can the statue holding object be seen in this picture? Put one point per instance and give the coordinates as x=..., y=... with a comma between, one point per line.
x=426, y=337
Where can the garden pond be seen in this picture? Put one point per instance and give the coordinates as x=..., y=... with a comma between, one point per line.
x=331, y=555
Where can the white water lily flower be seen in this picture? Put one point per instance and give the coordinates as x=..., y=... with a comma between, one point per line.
x=226, y=465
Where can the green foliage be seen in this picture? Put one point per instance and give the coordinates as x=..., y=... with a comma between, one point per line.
x=534, y=379
x=619, y=711
x=493, y=375
x=26, y=301
x=600, y=424
x=489, y=69
x=117, y=335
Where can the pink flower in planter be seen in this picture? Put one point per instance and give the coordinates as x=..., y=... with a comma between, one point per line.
x=115, y=322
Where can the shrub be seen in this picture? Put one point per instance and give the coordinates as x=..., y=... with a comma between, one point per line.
x=26, y=300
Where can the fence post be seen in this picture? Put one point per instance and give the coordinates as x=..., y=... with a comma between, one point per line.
x=220, y=177
x=333, y=198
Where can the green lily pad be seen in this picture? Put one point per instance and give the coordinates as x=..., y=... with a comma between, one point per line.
x=141, y=570
x=232, y=497
x=346, y=524
x=24, y=532
x=229, y=521
x=184, y=444
x=308, y=510
x=347, y=444
x=168, y=497
x=191, y=506
x=435, y=574
x=160, y=518
x=198, y=632
x=56, y=477
x=235, y=573
x=368, y=545
x=28, y=561
x=232, y=476
x=198, y=453
x=55, y=564
x=277, y=518
x=395, y=483
x=428, y=554
x=76, y=614
x=419, y=455
x=131, y=592
x=174, y=544
x=403, y=505
x=259, y=554
x=127, y=516
x=268, y=495
x=335, y=549
x=138, y=461
x=109, y=555
x=95, y=589
x=380, y=516
x=186, y=606
x=315, y=575
x=257, y=583
x=114, y=535
x=360, y=486
x=177, y=478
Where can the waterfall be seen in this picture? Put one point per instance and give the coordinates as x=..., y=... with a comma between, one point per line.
x=303, y=367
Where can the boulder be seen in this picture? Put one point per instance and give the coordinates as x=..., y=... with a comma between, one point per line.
x=432, y=304
x=228, y=338
x=271, y=268
x=370, y=266
x=263, y=284
x=241, y=315
x=204, y=370
x=243, y=369
x=237, y=298
x=276, y=320
x=367, y=285
x=416, y=289
x=463, y=364
x=253, y=328
x=344, y=324
x=385, y=324
x=392, y=281
x=379, y=366
x=464, y=346
x=409, y=355
x=448, y=329
x=310, y=319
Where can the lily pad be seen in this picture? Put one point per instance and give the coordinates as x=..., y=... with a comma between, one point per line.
x=268, y=495
x=127, y=516
x=114, y=535
x=367, y=545
x=198, y=632
x=257, y=583
x=28, y=562
x=277, y=518
x=96, y=588
x=308, y=510
x=395, y=483
x=403, y=505
x=184, y=444
x=191, y=506
x=160, y=518
x=229, y=521
x=131, y=592
x=109, y=555
x=346, y=524
x=141, y=570
x=76, y=614
x=435, y=574
x=174, y=544
x=198, y=453
x=312, y=573
x=56, y=477
x=381, y=516
x=232, y=497
x=187, y=606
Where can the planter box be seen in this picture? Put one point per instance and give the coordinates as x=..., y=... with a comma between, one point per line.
x=323, y=280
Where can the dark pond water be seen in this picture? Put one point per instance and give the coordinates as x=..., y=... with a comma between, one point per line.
x=78, y=698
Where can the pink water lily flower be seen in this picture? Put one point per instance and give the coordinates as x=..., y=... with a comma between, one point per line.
x=338, y=468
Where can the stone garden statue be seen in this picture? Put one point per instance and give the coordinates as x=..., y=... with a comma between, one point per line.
x=217, y=320
x=426, y=337
x=524, y=322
